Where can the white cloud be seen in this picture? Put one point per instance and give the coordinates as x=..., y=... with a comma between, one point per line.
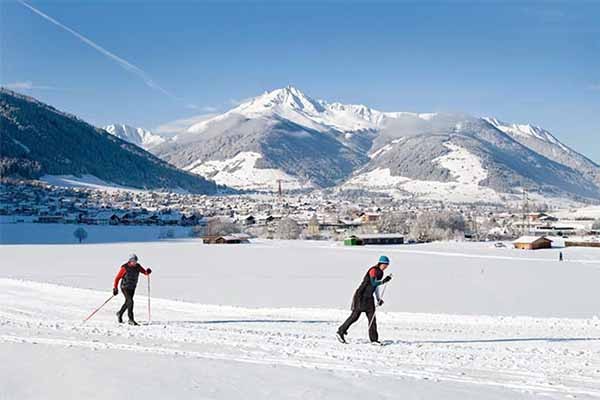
x=28, y=85
x=206, y=109
x=237, y=102
x=180, y=125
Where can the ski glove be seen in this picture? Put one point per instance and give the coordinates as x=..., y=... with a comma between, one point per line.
x=386, y=279
x=380, y=303
x=148, y=271
x=115, y=291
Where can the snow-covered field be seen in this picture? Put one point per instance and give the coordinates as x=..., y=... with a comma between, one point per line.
x=461, y=321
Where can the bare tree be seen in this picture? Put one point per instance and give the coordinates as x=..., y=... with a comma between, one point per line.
x=221, y=226
x=438, y=226
x=197, y=231
x=258, y=231
x=166, y=234
x=392, y=222
x=288, y=229
x=80, y=234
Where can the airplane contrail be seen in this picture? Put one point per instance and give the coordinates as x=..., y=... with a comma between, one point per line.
x=122, y=62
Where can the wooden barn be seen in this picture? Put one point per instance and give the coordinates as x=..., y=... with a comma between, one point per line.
x=532, y=243
x=234, y=238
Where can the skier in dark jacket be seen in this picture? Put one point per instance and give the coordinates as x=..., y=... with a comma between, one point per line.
x=128, y=275
x=363, y=300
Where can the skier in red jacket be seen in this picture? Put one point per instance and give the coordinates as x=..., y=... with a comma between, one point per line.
x=128, y=275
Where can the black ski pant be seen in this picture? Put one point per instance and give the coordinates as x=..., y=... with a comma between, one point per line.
x=373, y=335
x=128, y=305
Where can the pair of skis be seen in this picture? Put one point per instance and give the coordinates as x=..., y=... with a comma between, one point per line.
x=343, y=340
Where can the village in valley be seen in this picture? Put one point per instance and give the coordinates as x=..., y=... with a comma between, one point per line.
x=351, y=218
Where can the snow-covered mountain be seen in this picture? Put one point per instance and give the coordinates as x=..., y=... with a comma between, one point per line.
x=138, y=136
x=309, y=143
x=293, y=105
x=462, y=158
x=543, y=142
x=286, y=135
x=38, y=141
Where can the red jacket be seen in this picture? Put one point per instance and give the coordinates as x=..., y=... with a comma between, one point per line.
x=130, y=274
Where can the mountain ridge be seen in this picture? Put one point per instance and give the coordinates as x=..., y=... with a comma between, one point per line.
x=138, y=136
x=290, y=131
x=37, y=139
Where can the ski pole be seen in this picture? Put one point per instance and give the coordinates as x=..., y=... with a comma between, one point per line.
x=149, y=315
x=371, y=321
x=98, y=309
x=381, y=297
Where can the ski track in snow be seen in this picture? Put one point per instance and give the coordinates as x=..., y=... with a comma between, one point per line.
x=550, y=356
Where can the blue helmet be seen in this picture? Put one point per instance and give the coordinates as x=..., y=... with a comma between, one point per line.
x=384, y=260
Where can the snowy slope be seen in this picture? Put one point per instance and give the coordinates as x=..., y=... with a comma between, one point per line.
x=527, y=131
x=543, y=142
x=240, y=172
x=465, y=168
x=411, y=149
x=138, y=136
x=85, y=181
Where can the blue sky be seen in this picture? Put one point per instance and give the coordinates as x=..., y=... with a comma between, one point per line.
x=535, y=62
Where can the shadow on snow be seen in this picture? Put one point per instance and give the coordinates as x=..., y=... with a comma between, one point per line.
x=504, y=340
